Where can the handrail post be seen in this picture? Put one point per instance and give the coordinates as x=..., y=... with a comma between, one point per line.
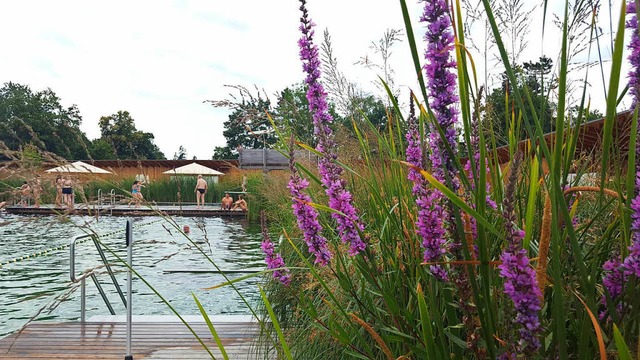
x=129, y=243
x=83, y=296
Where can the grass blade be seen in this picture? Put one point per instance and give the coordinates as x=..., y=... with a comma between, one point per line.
x=212, y=329
x=276, y=325
x=621, y=345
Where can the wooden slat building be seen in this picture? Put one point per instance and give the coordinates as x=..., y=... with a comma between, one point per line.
x=589, y=141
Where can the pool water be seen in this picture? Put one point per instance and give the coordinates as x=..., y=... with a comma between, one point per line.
x=40, y=287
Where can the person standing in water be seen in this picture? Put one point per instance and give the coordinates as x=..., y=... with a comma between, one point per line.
x=201, y=190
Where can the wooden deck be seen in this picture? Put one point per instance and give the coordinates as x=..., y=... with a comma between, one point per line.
x=126, y=210
x=151, y=340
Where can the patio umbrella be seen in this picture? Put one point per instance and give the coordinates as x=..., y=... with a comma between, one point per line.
x=193, y=169
x=79, y=167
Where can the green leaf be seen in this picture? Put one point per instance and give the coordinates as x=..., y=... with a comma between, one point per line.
x=621, y=345
x=456, y=200
x=276, y=325
x=531, y=202
x=427, y=331
x=212, y=329
x=614, y=81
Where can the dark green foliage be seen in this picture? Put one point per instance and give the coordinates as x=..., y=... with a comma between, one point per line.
x=127, y=142
x=181, y=154
x=292, y=113
x=371, y=108
x=532, y=78
x=39, y=118
x=222, y=153
x=248, y=126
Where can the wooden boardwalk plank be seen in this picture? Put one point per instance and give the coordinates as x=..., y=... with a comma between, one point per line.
x=107, y=340
x=125, y=210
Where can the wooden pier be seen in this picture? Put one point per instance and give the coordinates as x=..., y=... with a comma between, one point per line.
x=154, y=337
x=127, y=210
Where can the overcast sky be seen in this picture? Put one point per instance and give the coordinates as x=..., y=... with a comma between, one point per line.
x=160, y=60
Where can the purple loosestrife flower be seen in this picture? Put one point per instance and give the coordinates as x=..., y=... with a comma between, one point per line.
x=441, y=80
x=274, y=260
x=430, y=213
x=520, y=282
x=634, y=56
x=307, y=216
x=616, y=272
x=632, y=262
x=340, y=199
x=613, y=281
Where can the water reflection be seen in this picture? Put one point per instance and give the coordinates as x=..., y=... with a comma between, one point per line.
x=30, y=285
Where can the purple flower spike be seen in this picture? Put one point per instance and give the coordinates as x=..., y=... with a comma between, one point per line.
x=520, y=282
x=632, y=262
x=274, y=260
x=340, y=199
x=613, y=281
x=616, y=272
x=307, y=216
x=430, y=225
x=442, y=82
x=634, y=56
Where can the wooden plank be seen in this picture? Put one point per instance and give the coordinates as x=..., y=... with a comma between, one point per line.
x=107, y=340
x=124, y=210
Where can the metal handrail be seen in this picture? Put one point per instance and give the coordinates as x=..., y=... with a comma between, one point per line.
x=112, y=193
x=82, y=278
x=99, y=197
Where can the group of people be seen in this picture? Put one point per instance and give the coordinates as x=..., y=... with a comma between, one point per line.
x=65, y=194
x=33, y=190
x=27, y=192
x=226, y=203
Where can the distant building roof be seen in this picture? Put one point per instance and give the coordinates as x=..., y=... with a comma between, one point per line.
x=589, y=137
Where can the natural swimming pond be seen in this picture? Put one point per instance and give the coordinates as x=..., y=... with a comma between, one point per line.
x=40, y=286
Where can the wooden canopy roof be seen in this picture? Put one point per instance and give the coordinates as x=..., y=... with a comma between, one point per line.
x=589, y=137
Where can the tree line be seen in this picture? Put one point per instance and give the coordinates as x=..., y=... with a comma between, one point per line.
x=38, y=120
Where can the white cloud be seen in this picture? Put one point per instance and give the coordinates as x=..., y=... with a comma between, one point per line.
x=160, y=59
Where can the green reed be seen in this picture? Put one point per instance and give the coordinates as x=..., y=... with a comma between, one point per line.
x=400, y=309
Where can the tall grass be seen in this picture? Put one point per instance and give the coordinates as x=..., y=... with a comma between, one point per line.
x=172, y=190
x=385, y=304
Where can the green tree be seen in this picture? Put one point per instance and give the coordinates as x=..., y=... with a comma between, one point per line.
x=501, y=108
x=181, y=154
x=120, y=132
x=223, y=153
x=368, y=107
x=39, y=118
x=102, y=150
x=248, y=125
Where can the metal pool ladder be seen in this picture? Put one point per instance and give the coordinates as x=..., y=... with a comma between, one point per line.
x=128, y=302
x=92, y=273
